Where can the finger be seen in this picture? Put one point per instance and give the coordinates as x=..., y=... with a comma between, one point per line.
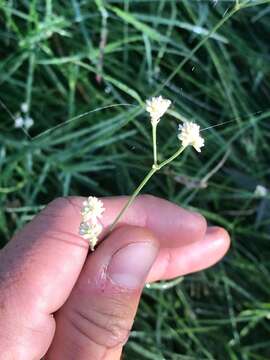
x=173, y=262
x=171, y=224
x=95, y=321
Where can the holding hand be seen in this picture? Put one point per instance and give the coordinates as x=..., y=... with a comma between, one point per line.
x=59, y=302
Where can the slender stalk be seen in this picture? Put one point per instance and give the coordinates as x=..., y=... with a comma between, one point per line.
x=154, y=137
x=133, y=196
x=174, y=156
x=198, y=46
x=154, y=169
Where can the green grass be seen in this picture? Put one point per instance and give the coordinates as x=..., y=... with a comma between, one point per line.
x=213, y=62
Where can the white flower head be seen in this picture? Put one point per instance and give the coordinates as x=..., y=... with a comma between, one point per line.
x=189, y=134
x=90, y=232
x=260, y=191
x=156, y=107
x=24, y=107
x=28, y=122
x=18, y=122
x=92, y=209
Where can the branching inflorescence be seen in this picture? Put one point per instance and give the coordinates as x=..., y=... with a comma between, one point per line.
x=188, y=134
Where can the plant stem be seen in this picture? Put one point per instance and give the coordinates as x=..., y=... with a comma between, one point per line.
x=171, y=158
x=133, y=196
x=154, y=136
x=154, y=169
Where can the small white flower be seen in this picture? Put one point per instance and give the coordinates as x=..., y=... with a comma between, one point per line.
x=24, y=107
x=189, y=134
x=260, y=191
x=18, y=122
x=28, y=122
x=92, y=209
x=90, y=232
x=157, y=106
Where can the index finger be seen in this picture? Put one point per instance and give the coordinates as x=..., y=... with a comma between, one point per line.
x=171, y=224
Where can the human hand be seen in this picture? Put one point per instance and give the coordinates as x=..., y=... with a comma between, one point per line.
x=60, y=302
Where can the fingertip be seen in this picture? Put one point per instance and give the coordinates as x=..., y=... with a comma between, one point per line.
x=125, y=235
x=131, y=263
x=193, y=257
x=220, y=238
x=136, y=234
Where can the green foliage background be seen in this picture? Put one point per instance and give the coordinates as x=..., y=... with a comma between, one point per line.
x=212, y=59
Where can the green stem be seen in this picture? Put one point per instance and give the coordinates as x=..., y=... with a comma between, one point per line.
x=133, y=196
x=154, y=136
x=154, y=169
x=174, y=156
x=197, y=47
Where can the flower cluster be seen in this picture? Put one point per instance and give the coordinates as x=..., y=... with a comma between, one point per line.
x=90, y=228
x=92, y=209
x=156, y=107
x=260, y=191
x=189, y=134
x=22, y=120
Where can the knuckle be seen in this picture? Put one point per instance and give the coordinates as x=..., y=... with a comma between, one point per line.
x=60, y=207
x=146, y=197
x=107, y=328
x=118, y=334
x=200, y=221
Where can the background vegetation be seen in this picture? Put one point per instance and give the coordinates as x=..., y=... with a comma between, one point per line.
x=72, y=62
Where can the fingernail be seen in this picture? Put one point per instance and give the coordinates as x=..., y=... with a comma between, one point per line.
x=130, y=265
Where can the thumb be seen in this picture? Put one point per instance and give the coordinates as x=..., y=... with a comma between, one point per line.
x=95, y=321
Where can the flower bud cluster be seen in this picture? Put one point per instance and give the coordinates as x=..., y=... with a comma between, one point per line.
x=90, y=227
